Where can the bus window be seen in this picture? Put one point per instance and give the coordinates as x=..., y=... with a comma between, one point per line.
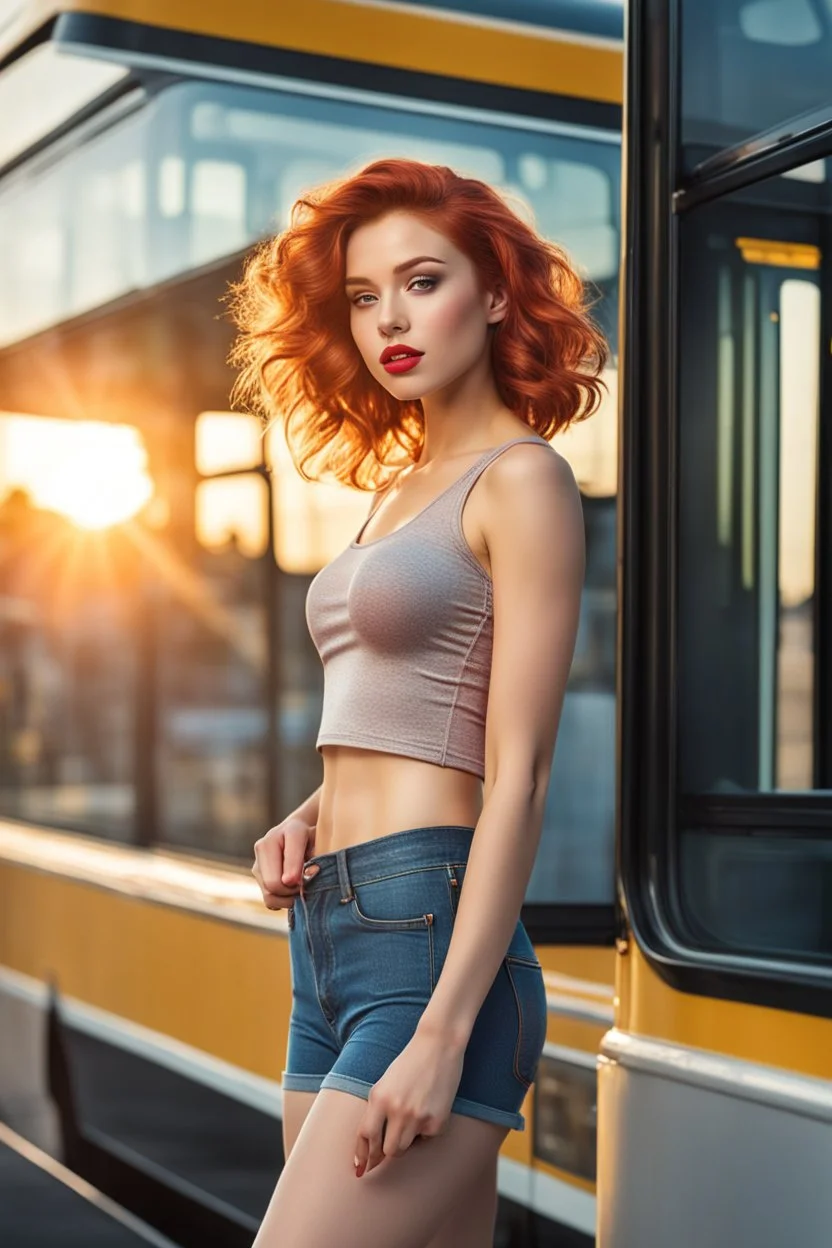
x=748, y=66
x=751, y=653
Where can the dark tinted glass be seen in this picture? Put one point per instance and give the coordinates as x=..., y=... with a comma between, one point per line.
x=754, y=877
x=750, y=65
x=750, y=358
x=565, y=1117
x=769, y=896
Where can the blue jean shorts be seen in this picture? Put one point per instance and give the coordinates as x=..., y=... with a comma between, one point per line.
x=368, y=937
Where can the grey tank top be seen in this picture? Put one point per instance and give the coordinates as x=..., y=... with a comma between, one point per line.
x=403, y=626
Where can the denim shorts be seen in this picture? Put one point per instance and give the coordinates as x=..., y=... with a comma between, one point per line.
x=368, y=937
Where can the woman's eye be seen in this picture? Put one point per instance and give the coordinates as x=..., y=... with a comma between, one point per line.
x=359, y=300
x=431, y=282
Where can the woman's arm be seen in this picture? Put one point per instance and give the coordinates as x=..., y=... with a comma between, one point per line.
x=535, y=537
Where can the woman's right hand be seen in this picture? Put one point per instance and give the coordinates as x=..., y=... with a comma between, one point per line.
x=278, y=861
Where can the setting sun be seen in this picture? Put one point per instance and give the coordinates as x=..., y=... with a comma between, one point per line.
x=93, y=473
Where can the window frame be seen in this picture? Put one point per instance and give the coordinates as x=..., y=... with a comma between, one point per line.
x=650, y=808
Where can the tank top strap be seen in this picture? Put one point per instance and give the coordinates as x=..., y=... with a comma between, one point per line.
x=461, y=488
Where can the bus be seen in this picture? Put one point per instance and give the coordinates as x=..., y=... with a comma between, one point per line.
x=715, y=1083
x=159, y=692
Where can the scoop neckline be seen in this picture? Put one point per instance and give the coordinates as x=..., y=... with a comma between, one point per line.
x=356, y=545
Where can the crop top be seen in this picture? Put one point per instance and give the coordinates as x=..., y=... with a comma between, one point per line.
x=404, y=627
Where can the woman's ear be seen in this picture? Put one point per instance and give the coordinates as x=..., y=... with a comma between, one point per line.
x=497, y=305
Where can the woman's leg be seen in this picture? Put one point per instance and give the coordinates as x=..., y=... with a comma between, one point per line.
x=403, y=1203
x=296, y=1105
x=471, y=1224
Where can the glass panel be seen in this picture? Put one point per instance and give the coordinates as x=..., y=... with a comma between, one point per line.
x=566, y=1117
x=227, y=441
x=752, y=286
x=71, y=622
x=43, y=89
x=750, y=307
x=749, y=65
x=799, y=377
x=210, y=622
x=313, y=520
x=233, y=513
x=203, y=170
x=758, y=894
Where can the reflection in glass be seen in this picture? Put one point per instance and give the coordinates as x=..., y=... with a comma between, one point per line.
x=313, y=520
x=43, y=89
x=202, y=170
x=751, y=325
x=749, y=66
x=233, y=512
x=761, y=894
x=69, y=644
x=227, y=441
x=565, y=1119
x=799, y=410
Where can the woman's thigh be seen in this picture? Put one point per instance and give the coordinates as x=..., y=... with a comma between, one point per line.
x=471, y=1222
x=403, y=1203
x=296, y=1105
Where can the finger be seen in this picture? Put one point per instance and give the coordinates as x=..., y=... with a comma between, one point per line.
x=368, y=1137
x=294, y=852
x=398, y=1140
x=430, y=1131
x=273, y=901
x=269, y=856
x=376, y=1150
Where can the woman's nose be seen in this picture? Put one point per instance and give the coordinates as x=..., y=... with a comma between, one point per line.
x=392, y=320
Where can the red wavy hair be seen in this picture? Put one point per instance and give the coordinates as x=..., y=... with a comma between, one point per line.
x=297, y=358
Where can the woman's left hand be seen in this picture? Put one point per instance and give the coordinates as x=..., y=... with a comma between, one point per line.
x=413, y=1097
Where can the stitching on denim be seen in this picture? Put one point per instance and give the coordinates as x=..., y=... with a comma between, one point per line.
x=513, y=957
x=379, y=879
x=390, y=925
x=314, y=973
x=520, y=1078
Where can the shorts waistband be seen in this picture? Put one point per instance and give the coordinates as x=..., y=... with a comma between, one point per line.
x=411, y=849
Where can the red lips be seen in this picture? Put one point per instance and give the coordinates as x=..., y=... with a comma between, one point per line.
x=388, y=352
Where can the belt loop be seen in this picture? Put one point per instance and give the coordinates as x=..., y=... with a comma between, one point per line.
x=343, y=876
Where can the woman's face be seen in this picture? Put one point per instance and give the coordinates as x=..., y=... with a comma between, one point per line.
x=412, y=291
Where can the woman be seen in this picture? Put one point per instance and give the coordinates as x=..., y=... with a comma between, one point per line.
x=415, y=333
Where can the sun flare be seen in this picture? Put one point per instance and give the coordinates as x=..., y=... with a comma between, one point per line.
x=93, y=473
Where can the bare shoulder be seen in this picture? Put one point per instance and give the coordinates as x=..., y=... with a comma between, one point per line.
x=528, y=481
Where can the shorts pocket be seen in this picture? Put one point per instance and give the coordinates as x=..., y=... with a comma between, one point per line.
x=420, y=921
x=526, y=978
x=399, y=903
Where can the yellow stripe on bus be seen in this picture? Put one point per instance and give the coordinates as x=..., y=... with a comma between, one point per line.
x=429, y=41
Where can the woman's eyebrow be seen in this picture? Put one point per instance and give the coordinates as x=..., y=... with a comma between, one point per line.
x=400, y=268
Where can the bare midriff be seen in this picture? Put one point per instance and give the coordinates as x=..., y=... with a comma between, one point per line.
x=367, y=794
